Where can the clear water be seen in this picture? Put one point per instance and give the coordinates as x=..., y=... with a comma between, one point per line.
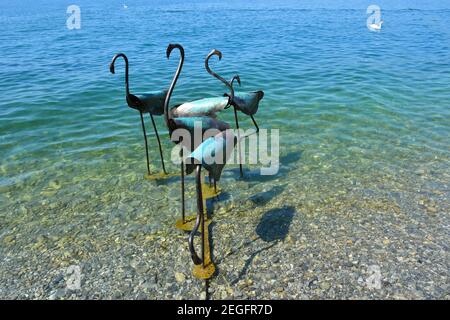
x=357, y=110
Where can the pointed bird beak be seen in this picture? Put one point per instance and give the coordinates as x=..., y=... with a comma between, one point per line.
x=218, y=53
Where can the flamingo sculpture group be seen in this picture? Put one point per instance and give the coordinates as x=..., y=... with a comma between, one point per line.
x=209, y=153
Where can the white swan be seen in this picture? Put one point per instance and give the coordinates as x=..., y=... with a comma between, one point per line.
x=375, y=26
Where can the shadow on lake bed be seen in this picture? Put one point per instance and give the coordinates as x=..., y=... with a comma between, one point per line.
x=273, y=227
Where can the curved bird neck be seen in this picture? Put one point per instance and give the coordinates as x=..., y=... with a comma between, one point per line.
x=215, y=75
x=167, y=113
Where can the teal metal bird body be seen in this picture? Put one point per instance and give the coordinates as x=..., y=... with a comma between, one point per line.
x=247, y=102
x=150, y=102
x=202, y=107
x=212, y=154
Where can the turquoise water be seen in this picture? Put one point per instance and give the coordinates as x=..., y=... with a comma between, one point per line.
x=358, y=111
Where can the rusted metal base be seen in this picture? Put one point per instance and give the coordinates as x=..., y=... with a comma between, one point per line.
x=189, y=222
x=160, y=176
x=204, y=273
x=210, y=192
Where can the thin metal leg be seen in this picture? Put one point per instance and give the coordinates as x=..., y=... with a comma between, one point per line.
x=239, y=141
x=183, y=207
x=202, y=212
x=203, y=238
x=207, y=289
x=204, y=268
x=146, y=145
x=256, y=125
x=200, y=221
x=159, y=143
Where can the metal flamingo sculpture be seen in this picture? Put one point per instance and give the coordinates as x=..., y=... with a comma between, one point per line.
x=251, y=106
x=151, y=103
x=188, y=123
x=212, y=155
x=247, y=103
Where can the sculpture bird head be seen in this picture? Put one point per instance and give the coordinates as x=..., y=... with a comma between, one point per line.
x=214, y=52
x=119, y=55
x=237, y=78
x=172, y=46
